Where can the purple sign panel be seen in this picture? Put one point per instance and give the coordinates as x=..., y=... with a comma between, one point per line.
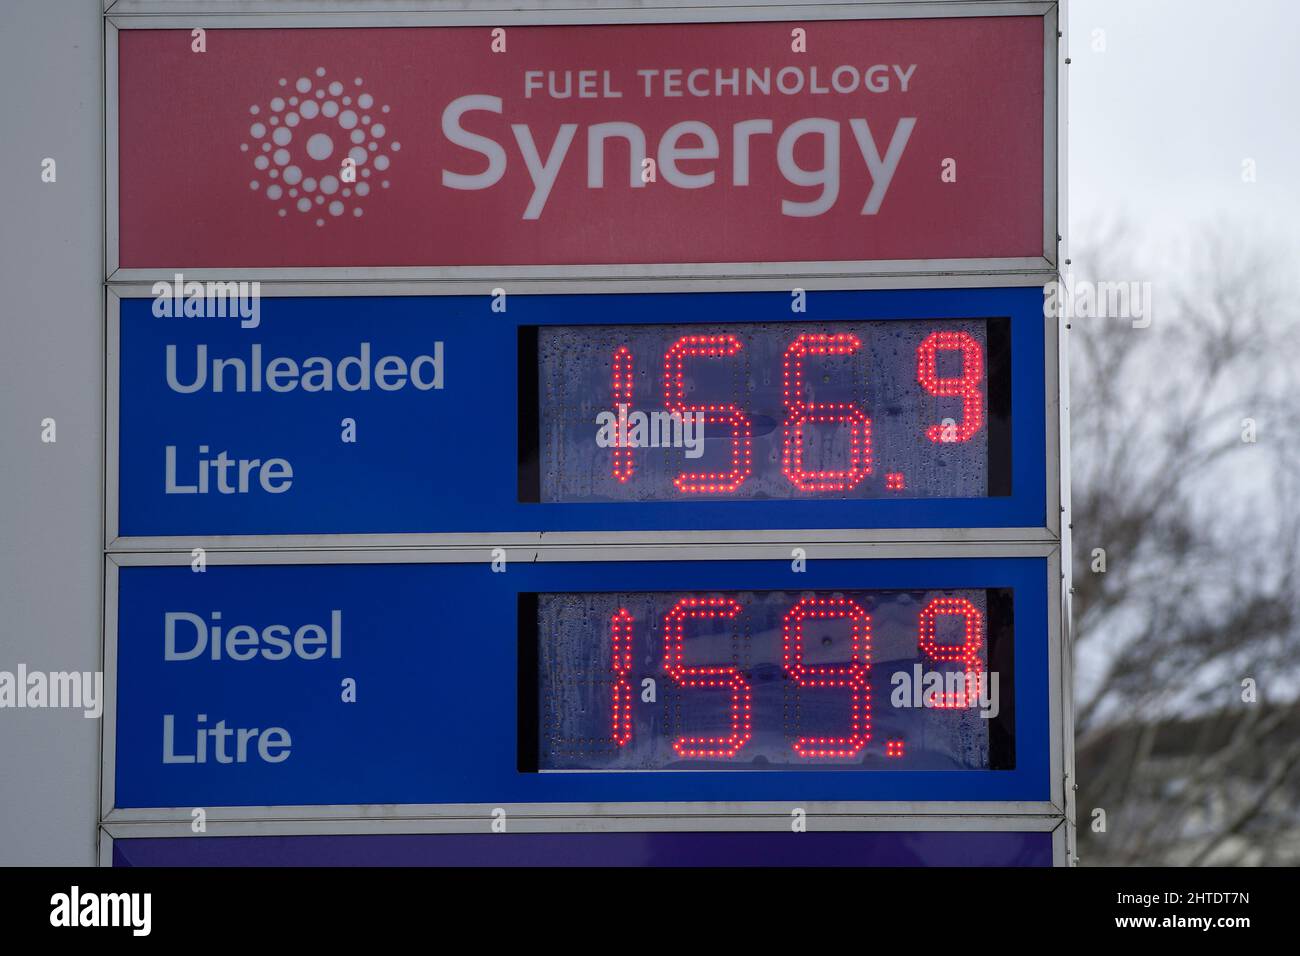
x=881, y=848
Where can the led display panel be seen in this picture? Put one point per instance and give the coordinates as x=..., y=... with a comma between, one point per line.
x=771, y=680
x=779, y=411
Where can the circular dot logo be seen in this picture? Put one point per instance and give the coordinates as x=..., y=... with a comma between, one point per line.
x=319, y=147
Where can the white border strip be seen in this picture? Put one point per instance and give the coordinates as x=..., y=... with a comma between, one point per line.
x=591, y=10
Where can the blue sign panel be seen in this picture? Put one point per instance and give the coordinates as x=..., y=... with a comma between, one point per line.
x=336, y=415
x=878, y=848
x=443, y=683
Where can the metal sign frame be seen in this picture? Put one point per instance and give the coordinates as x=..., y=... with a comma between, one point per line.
x=111, y=832
x=1051, y=541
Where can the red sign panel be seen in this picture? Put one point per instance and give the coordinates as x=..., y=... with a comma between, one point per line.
x=610, y=144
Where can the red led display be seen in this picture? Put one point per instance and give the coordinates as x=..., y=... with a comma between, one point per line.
x=622, y=384
x=965, y=653
x=707, y=676
x=757, y=680
x=799, y=411
x=853, y=675
x=620, y=640
x=965, y=386
x=837, y=409
x=708, y=346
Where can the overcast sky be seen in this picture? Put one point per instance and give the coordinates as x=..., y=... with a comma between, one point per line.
x=1185, y=90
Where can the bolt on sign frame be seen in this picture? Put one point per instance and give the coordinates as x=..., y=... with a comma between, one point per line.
x=1029, y=540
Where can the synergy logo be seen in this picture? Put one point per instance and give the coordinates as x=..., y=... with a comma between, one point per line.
x=311, y=146
x=687, y=140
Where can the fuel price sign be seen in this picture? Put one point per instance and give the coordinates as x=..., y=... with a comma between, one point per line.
x=663, y=412
x=639, y=423
x=406, y=678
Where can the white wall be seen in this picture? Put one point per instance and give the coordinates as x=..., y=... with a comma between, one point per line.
x=51, y=320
